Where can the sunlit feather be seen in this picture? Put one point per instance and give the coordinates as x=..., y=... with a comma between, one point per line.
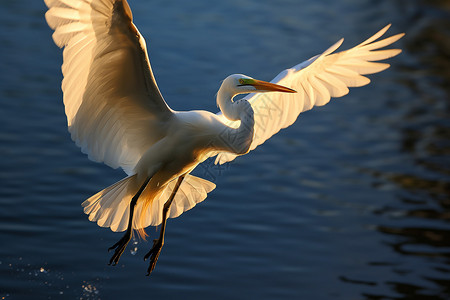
x=117, y=115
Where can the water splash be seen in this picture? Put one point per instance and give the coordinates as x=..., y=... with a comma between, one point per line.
x=134, y=248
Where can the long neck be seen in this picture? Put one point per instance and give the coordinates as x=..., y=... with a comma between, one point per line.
x=236, y=140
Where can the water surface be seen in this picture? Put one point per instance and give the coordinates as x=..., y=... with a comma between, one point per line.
x=352, y=202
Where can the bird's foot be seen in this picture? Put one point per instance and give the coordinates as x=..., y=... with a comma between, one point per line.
x=120, y=248
x=154, y=254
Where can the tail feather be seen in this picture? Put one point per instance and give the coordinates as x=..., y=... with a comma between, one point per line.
x=192, y=190
x=110, y=207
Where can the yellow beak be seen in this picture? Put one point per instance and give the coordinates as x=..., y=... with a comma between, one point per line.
x=270, y=87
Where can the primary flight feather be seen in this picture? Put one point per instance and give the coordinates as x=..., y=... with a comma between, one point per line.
x=117, y=115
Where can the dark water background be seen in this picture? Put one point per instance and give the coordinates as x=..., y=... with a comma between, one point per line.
x=352, y=202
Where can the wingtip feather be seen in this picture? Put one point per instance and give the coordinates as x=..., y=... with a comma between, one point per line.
x=333, y=48
x=375, y=36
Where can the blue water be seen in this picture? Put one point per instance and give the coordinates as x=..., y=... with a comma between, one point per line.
x=352, y=202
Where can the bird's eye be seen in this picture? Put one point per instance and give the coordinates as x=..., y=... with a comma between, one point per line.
x=241, y=81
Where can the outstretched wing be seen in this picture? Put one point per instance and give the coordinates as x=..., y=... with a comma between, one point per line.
x=316, y=81
x=114, y=108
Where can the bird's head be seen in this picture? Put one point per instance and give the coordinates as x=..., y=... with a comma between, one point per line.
x=242, y=84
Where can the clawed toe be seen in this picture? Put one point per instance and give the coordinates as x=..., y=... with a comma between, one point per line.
x=153, y=254
x=155, y=243
x=120, y=248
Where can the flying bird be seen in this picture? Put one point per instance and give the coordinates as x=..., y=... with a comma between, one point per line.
x=117, y=115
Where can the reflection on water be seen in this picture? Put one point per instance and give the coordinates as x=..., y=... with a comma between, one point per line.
x=351, y=203
x=419, y=221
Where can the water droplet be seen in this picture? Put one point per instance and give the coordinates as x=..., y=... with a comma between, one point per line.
x=134, y=250
x=90, y=289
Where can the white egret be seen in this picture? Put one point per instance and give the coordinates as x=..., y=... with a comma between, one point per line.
x=117, y=115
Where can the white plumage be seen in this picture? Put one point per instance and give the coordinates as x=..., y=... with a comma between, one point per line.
x=110, y=207
x=107, y=81
x=117, y=115
x=316, y=80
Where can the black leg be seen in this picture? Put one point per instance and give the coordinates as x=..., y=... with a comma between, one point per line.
x=158, y=243
x=123, y=242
